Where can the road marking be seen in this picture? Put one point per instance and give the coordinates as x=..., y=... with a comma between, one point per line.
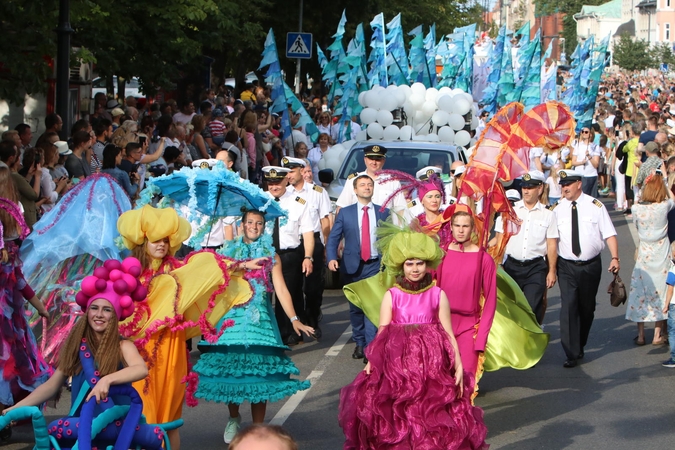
x=295, y=400
x=633, y=232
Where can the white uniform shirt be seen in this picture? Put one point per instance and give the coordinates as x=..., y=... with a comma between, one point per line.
x=594, y=227
x=314, y=156
x=318, y=202
x=213, y=238
x=373, y=226
x=535, y=152
x=298, y=221
x=538, y=225
x=580, y=151
x=381, y=192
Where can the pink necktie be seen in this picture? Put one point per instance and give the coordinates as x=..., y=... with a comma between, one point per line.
x=365, y=235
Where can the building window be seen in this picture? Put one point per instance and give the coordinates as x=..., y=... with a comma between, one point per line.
x=667, y=32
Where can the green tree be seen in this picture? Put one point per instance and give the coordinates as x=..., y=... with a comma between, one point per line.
x=662, y=53
x=569, y=8
x=632, y=54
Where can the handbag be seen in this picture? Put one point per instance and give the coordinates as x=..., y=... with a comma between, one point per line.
x=617, y=291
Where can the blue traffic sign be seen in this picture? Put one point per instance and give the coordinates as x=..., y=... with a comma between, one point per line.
x=299, y=45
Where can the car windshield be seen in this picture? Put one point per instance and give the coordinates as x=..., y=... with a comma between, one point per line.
x=403, y=159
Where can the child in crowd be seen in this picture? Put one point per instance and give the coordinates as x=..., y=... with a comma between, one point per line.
x=217, y=127
x=554, y=190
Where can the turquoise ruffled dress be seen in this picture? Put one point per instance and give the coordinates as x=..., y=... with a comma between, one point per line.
x=248, y=362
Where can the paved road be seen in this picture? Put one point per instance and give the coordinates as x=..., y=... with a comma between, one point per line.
x=618, y=398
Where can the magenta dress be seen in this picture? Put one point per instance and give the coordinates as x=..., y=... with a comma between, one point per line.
x=410, y=400
x=463, y=276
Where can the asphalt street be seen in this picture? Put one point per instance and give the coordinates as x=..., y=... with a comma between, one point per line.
x=619, y=397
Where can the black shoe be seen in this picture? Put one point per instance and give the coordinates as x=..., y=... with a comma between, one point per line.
x=365, y=360
x=6, y=434
x=358, y=352
x=317, y=333
x=293, y=340
x=570, y=363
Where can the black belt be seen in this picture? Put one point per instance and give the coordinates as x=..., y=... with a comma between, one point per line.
x=527, y=262
x=580, y=263
x=370, y=261
x=288, y=250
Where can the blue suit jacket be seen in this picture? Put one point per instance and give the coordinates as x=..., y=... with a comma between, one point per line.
x=347, y=226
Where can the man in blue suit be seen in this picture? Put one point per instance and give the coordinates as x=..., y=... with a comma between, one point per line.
x=356, y=224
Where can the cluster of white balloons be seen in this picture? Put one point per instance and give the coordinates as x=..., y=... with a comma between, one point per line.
x=334, y=156
x=433, y=115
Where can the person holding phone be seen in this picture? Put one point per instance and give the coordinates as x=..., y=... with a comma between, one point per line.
x=52, y=188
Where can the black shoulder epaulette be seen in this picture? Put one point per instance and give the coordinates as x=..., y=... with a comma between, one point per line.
x=300, y=200
x=412, y=203
x=552, y=207
x=352, y=175
x=597, y=203
x=317, y=188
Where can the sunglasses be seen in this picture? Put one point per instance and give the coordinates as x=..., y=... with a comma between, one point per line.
x=585, y=131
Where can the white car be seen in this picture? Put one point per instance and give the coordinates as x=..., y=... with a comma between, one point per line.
x=132, y=88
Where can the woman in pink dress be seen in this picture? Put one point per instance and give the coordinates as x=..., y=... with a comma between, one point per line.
x=413, y=393
x=469, y=273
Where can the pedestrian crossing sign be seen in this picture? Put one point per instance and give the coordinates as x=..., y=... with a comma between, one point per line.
x=299, y=45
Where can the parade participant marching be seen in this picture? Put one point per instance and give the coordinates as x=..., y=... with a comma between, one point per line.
x=296, y=255
x=361, y=259
x=318, y=202
x=532, y=253
x=413, y=393
x=101, y=363
x=374, y=157
x=21, y=364
x=583, y=224
x=469, y=272
x=185, y=299
x=248, y=362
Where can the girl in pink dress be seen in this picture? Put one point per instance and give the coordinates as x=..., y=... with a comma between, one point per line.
x=413, y=393
x=469, y=273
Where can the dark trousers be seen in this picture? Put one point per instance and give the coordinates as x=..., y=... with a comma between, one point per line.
x=589, y=186
x=578, y=288
x=532, y=281
x=314, y=283
x=363, y=330
x=291, y=267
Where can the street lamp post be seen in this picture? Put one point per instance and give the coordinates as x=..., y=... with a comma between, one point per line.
x=63, y=32
x=299, y=61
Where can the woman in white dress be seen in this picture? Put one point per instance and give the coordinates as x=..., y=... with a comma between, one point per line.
x=647, y=294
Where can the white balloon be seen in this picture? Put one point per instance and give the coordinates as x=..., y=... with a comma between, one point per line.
x=445, y=90
x=406, y=133
x=333, y=163
x=469, y=97
x=429, y=108
x=375, y=130
x=432, y=94
x=432, y=137
x=362, y=135
x=440, y=118
x=385, y=117
x=400, y=98
x=446, y=134
x=474, y=122
x=419, y=89
x=445, y=103
x=322, y=163
x=407, y=91
x=421, y=129
x=391, y=133
x=419, y=138
x=461, y=106
x=416, y=101
x=456, y=122
x=372, y=99
x=409, y=109
x=368, y=115
x=343, y=155
x=377, y=88
x=388, y=101
x=419, y=118
x=392, y=88
x=362, y=98
x=462, y=138
x=348, y=144
x=334, y=151
x=457, y=91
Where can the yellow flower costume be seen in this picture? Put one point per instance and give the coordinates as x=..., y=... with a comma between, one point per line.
x=185, y=299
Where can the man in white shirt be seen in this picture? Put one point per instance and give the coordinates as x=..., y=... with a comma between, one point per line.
x=296, y=255
x=532, y=253
x=583, y=226
x=318, y=203
x=186, y=113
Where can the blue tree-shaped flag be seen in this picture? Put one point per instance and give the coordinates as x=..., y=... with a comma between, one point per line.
x=396, y=58
x=378, y=53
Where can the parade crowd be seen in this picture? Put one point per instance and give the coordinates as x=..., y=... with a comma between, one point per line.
x=423, y=291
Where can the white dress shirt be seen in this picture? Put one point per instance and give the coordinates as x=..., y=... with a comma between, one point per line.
x=381, y=192
x=314, y=156
x=581, y=149
x=213, y=238
x=373, y=226
x=318, y=203
x=298, y=221
x=538, y=225
x=594, y=227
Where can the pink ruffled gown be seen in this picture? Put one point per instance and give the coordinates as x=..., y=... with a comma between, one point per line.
x=410, y=400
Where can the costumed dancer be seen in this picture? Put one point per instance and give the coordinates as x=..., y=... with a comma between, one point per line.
x=469, y=272
x=67, y=244
x=102, y=365
x=184, y=300
x=413, y=393
x=249, y=363
x=22, y=366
